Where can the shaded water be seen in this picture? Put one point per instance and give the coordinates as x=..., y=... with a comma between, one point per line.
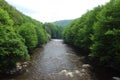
x=56, y=61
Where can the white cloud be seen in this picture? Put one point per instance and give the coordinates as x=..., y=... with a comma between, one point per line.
x=52, y=10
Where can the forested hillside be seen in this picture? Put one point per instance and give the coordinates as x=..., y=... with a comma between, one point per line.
x=98, y=31
x=19, y=34
x=63, y=23
x=54, y=30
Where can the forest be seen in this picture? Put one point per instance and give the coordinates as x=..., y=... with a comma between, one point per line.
x=63, y=23
x=98, y=32
x=54, y=30
x=20, y=34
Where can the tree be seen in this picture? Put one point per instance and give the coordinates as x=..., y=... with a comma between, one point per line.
x=5, y=18
x=55, y=31
x=106, y=37
x=28, y=32
x=12, y=48
x=19, y=34
x=42, y=36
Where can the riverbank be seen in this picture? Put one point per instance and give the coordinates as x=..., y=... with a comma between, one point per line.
x=101, y=72
x=58, y=61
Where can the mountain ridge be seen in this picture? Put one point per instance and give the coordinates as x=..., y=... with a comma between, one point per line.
x=63, y=23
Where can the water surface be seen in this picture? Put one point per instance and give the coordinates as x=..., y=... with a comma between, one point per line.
x=56, y=61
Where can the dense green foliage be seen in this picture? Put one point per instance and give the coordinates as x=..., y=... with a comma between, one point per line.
x=55, y=31
x=42, y=35
x=12, y=48
x=27, y=31
x=79, y=31
x=106, y=37
x=98, y=31
x=19, y=34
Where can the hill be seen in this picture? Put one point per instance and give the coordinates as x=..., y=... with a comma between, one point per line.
x=63, y=23
x=19, y=35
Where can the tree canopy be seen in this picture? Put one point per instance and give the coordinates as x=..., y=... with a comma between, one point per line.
x=54, y=30
x=98, y=31
x=19, y=34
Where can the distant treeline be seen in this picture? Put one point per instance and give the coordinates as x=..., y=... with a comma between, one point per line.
x=54, y=30
x=19, y=35
x=98, y=31
x=63, y=23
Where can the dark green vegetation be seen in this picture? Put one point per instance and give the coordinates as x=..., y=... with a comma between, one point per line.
x=98, y=31
x=19, y=34
x=54, y=30
x=63, y=23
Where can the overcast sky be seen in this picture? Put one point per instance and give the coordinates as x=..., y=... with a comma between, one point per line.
x=54, y=10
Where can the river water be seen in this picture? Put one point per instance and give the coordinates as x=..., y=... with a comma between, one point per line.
x=57, y=61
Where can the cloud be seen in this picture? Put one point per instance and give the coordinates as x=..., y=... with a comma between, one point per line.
x=52, y=10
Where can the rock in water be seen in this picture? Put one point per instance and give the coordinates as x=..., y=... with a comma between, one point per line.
x=116, y=78
x=86, y=66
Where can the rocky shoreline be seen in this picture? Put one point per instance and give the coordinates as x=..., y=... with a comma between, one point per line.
x=20, y=68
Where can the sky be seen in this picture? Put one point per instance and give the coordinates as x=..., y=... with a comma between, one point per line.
x=54, y=10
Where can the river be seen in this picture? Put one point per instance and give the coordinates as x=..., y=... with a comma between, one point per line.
x=57, y=61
